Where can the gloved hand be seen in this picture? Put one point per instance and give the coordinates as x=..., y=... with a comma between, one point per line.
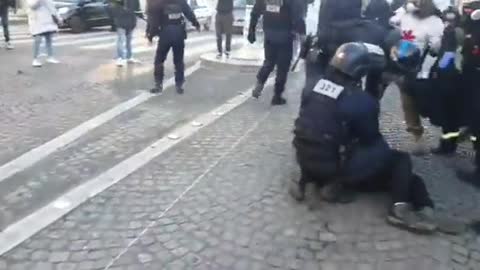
x=251, y=37
x=447, y=58
x=197, y=26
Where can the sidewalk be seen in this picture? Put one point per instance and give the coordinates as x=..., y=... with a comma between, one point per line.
x=219, y=200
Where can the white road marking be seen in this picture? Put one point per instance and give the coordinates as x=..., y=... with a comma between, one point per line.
x=33, y=156
x=143, y=41
x=60, y=38
x=37, y=221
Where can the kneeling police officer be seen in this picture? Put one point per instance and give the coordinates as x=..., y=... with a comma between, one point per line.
x=165, y=20
x=338, y=140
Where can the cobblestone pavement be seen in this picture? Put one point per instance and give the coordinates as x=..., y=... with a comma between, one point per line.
x=40, y=104
x=219, y=201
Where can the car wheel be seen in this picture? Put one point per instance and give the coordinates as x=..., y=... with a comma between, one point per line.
x=78, y=25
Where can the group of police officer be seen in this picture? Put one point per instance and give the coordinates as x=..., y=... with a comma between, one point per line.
x=338, y=143
x=337, y=136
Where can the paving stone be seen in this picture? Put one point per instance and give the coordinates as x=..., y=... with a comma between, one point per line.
x=56, y=257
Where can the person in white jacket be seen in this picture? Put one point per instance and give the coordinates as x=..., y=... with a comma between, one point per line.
x=420, y=22
x=42, y=22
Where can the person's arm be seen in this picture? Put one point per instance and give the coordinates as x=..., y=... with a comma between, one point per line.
x=188, y=12
x=153, y=21
x=257, y=11
x=297, y=17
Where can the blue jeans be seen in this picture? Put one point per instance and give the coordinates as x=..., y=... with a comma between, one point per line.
x=37, y=41
x=124, y=43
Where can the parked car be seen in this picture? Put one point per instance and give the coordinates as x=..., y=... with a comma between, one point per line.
x=203, y=12
x=80, y=15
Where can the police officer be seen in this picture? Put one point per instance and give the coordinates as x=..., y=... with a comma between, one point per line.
x=471, y=81
x=281, y=18
x=337, y=139
x=166, y=20
x=340, y=21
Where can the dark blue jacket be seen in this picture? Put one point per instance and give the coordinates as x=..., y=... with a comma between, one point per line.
x=278, y=25
x=168, y=30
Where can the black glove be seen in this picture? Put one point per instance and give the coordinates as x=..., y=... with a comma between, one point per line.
x=197, y=26
x=251, y=37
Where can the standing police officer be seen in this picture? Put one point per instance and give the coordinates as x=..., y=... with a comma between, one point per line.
x=471, y=81
x=166, y=20
x=281, y=18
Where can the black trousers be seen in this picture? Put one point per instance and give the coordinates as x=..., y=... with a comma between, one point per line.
x=224, y=25
x=4, y=17
x=471, y=82
x=397, y=179
x=277, y=55
x=178, y=48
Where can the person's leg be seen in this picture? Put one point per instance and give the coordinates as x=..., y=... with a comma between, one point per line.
x=419, y=196
x=5, y=22
x=219, y=31
x=412, y=118
x=228, y=27
x=161, y=54
x=37, y=41
x=178, y=61
x=49, y=44
x=284, y=60
x=121, y=37
x=266, y=69
x=128, y=44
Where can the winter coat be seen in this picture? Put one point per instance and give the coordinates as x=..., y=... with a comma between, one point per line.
x=124, y=13
x=40, y=17
x=421, y=31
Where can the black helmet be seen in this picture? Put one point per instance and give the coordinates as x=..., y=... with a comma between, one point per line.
x=356, y=59
x=406, y=56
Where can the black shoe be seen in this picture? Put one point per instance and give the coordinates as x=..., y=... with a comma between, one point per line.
x=297, y=191
x=446, y=147
x=157, y=89
x=278, y=100
x=257, y=91
x=470, y=176
x=180, y=89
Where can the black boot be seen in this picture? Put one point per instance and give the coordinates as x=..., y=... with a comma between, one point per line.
x=278, y=100
x=297, y=190
x=446, y=147
x=257, y=91
x=157, y=89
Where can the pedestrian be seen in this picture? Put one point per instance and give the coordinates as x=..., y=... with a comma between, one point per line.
x=166, y=20
x=339, y=144
x=5, y=5
x=43, y=23
x=471, y=80
x=124, y=13
x=378, y=10
x=281, y=20
x=420, y=23
x=224, y=26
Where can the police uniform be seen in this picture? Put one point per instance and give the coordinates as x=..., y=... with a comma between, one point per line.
x=471, y=82
x=281, y=18
x=166, y=20
x=340, y=22
x=337, y=136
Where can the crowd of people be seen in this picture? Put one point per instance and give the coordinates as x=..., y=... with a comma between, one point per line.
x=434, y=58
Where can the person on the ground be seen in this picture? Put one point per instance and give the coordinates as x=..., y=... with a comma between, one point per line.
x=282, y=19
x=338, y=140
x=470, y=82
x=420, y=23
x=224, y=26
x=43, y=24
x=5, y=5
x=166, y=20
x=124, y=13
